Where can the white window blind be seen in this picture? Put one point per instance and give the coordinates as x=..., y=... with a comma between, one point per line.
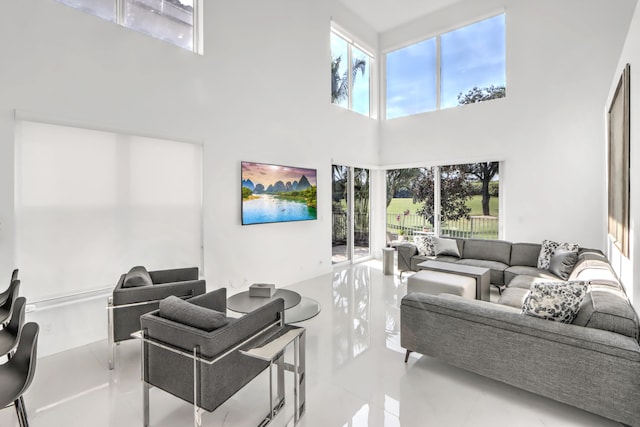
x=90, y=205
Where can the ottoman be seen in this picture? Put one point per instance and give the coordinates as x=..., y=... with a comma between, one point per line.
x=436, y=282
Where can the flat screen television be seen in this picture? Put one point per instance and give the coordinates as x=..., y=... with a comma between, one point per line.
x=275, y=193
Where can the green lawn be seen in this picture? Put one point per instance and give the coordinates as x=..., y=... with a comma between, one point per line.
x=475, y=203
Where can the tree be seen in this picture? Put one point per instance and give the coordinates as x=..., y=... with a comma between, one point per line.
x=398, y=179
x=340, y=83
x=484, y=172
x=339, y=184
x=454, y=193
x=481, y=94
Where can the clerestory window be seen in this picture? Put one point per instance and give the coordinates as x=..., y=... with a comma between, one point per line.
x=175, y=21
x=350, y=74
x=463, y=66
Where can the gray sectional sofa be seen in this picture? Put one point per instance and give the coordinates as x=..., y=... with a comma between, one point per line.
x=506, y=260
x=592, y=363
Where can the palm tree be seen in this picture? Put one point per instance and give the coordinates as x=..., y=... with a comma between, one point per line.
x=340, y=84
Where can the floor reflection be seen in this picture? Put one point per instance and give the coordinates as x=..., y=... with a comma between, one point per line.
x=351, y=313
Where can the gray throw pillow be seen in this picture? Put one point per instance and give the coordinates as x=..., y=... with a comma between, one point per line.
x=549, y=247
x=181, y=311
x=136, y=277
x=562, y=263
x=446, y=247
x=557, y=301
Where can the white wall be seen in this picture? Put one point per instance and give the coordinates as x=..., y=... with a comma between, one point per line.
x=260, y=93
x=549, y=128
x=629, y=268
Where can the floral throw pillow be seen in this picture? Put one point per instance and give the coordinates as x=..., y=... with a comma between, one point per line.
x=549, y=247
x=557, y=301
x=425, y=245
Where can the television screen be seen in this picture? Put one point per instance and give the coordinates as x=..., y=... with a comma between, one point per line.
x=273, y=193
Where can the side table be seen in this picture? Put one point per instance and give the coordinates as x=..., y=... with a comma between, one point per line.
x=270, y=352
x=387, y=261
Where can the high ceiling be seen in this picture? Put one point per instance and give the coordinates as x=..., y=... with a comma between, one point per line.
x=383, y=15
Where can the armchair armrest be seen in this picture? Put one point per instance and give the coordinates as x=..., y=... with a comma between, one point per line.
x=155, y=293
x=214, y=300
x=174, y=275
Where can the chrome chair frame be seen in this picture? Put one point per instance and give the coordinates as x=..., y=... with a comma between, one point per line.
x=268, y=332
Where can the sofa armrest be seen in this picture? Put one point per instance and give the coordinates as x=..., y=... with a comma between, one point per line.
x=496, y=316
x=189, y=288
x=405, y=252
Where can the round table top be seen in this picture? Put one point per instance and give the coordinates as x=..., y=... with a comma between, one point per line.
x=243, y=303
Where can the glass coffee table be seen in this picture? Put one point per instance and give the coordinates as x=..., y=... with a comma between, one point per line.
x=297, y=308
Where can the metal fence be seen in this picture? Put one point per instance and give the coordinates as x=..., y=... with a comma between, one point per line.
x=361, y=228
x=479, y=227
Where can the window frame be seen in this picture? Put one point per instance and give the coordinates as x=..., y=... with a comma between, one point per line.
x=437, y=37
x=338, y=31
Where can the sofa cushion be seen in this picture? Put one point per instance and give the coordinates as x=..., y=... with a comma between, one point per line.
x=557, y=301
x=608, y=309
x=517, y=270
x=497, y=268
x=448, y=247
x=490, y=250
x=513, y=297
x=562, y=263
x=181, y=311
x=594, y=268
x=525, y=254
x=548, y=249
x=524, y=282
x=425, y=245
x=136, y=277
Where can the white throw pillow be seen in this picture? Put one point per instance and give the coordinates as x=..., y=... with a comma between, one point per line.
x=446, y=247
x=557, y=301
x=549, y=247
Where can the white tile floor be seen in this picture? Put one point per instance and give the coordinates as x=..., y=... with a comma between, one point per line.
x=355, y=377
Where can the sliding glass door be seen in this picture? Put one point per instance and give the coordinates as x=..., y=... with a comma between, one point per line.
x=350, y=213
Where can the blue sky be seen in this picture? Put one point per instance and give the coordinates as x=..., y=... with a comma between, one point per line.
x=470, y=56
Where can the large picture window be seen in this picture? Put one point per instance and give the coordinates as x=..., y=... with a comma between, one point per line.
x=459, y=67
x=174, y=21
x=449, y=200
x=350, y=74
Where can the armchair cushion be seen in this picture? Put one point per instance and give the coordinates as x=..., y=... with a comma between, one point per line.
x=137, y=276
x=181, y=311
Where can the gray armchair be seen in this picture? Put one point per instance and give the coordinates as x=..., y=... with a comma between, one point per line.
x=139, y=292
x=206, y=366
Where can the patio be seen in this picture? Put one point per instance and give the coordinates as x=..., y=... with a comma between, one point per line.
x=339, y=253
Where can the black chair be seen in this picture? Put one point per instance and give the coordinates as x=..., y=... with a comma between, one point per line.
x=7, y=305
x=10, y=334
x=3, y=295
x=16, y=375
x=140, y=291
